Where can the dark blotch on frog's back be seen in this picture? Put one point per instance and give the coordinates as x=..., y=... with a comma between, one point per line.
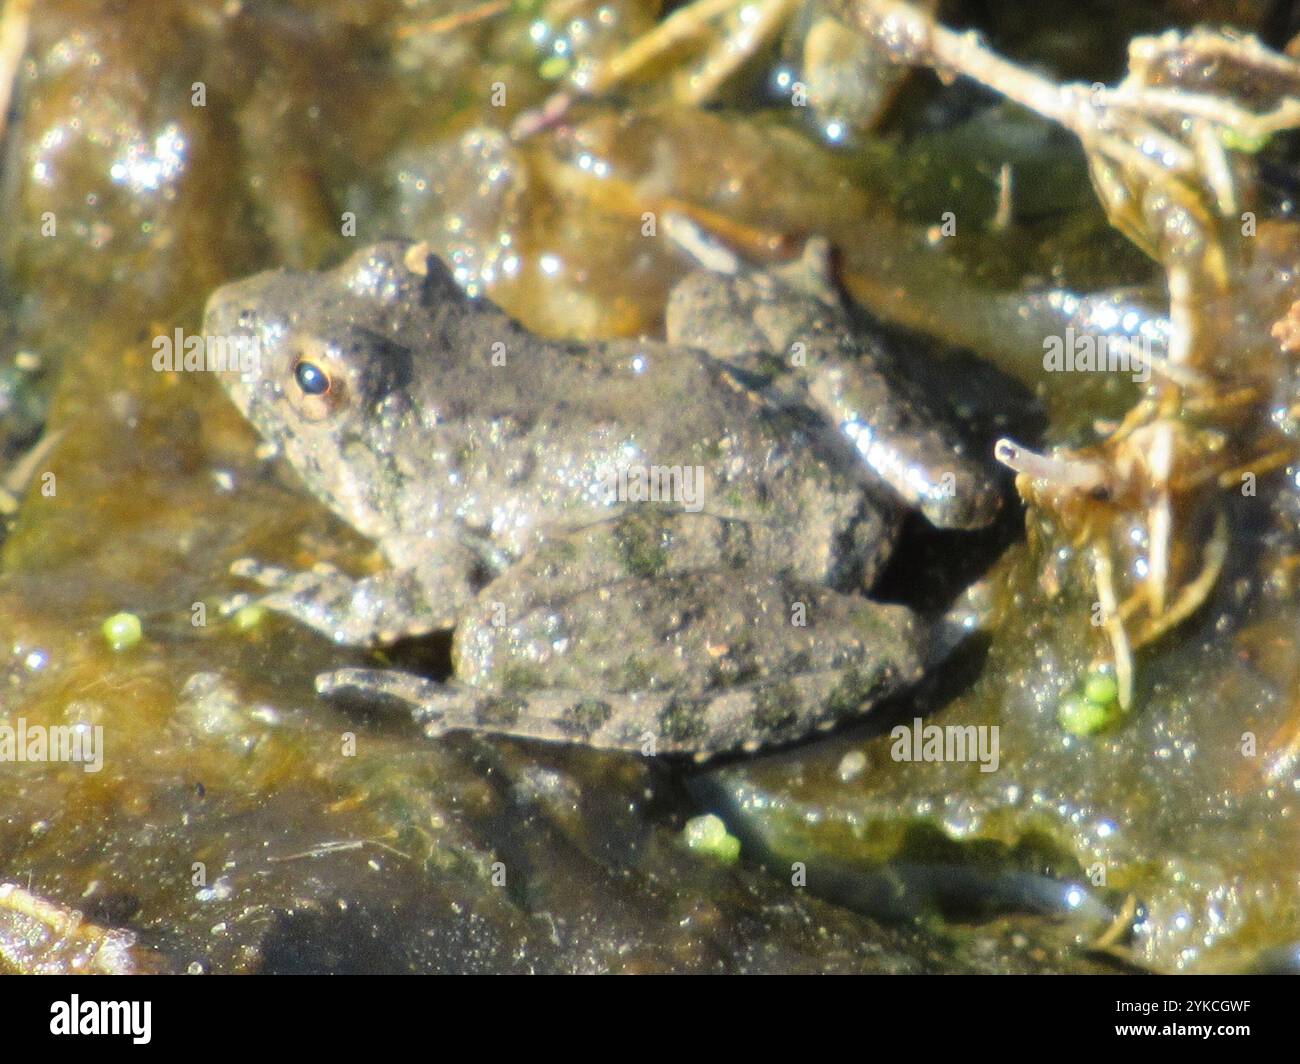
x=684, y=719
x=583, y=719
x=776, y=706
x=502, y=711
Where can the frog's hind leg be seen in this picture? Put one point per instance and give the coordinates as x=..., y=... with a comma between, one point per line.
x=702, y=724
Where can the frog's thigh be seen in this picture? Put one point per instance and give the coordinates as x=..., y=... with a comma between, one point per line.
x=685, y=631
x=697, y=663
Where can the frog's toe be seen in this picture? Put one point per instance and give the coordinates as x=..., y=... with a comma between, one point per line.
x=272, y=578
x=404, y=686
x=548, y=715
x=276, y=578
x=268, y=576
x=816, y=259
x=377, y=609
x=813, y=272
x=436, y=707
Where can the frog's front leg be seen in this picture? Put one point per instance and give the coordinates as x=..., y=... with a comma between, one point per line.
x=397, y=602
x=365, y=611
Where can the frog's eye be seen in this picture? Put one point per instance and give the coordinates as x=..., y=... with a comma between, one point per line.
x=318, y=387
x=311, y=378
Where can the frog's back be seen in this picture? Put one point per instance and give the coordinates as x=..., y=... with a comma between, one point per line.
x=526, y=435
x=450, y=412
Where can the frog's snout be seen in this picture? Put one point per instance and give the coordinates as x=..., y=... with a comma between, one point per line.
x=231, y=344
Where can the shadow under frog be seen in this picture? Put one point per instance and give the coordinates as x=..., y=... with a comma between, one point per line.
x=496, y=471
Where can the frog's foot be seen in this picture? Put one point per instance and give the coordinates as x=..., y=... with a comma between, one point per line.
x=813, y=272
x=702, y=724
x=893, y=433
x=375, y=609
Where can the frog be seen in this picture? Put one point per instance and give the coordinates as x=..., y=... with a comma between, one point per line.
x=661, y=546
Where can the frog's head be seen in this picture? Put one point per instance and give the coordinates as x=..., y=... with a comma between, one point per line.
x=315, y=364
